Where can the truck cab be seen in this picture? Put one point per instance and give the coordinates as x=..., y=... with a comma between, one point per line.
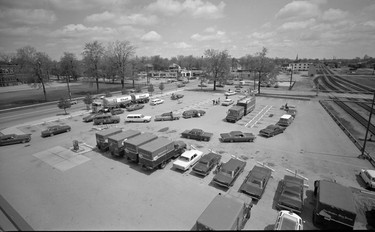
x=225, y=212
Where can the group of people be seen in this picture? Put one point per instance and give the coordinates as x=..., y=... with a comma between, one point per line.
x=216, y=101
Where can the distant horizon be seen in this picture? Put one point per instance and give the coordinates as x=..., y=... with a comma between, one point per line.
x=314, y=29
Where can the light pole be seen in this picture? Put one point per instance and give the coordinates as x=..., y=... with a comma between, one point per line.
x=291, y=76
x=368, y=125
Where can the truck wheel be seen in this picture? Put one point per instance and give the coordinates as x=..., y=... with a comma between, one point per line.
x=231, y=140
x=163, y=164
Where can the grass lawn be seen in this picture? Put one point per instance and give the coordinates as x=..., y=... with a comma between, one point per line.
x=54, y=93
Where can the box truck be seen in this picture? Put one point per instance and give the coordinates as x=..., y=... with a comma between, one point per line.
x=243, y=107
x=116, y=142
x=132, y=145
x=102, y=137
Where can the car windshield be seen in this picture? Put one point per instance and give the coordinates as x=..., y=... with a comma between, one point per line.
x=227, y=172
x=185, y=159
x=256, y=182
x=291, y=194
x=205, y=162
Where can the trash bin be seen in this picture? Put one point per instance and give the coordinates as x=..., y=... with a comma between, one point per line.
x=75, y=145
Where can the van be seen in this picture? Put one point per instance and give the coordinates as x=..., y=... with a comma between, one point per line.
x=285, y=120
x=137, y=118
x=106, y=119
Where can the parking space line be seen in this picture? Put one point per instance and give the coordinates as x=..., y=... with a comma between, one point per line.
x=256, y=115
x=261, y=116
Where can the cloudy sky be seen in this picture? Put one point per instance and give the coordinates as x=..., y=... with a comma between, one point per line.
x=311, y=29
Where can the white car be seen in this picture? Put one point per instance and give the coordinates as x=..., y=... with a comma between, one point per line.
x=187, y=159
x=227, y=102
x=156, y=101
x=368, y=177
x=137, y=118
x=229, y=93
x=287, y=220
x=73, y=102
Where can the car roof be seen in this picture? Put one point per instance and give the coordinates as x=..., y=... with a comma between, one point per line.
x=190, y=153
x=209, y=156
x=133, y=115
x=286, y=116
x=233, y=163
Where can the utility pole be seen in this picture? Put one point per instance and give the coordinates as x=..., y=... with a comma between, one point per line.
x=291, y=76
x=368, y=125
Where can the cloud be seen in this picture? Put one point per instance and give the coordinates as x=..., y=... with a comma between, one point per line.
x=138, y=19
x=94, y=18
x=151, y=37
x=84, y=4
x=219, y=35
x=210, y=29
x=297, y=25
x=261, y=35
x=334, y=14
x=28, y=16
x=181, y=45
x=196, y=8
x=79, y=30
x=299, y=10
x=370, y=23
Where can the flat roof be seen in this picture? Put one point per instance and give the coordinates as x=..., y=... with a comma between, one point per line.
x=140, y=139
x=155, y=144
x=124, y=135
x=108, y=131
x=337, y=195
x=221, y=213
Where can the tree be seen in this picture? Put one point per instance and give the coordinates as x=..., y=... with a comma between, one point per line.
x=64, y=104
x=217, y=64
x=67, y=65
x=88, y=100
x=161, y=86
x=151, y=88
x=120, y=53
x=35, y=63
x=262, y=65
x=92, y=55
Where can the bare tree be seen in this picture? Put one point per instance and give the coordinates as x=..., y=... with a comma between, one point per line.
x=217, y=64
x=68, y=63
x=120, y=53
x=92, y=55
x=36, y=64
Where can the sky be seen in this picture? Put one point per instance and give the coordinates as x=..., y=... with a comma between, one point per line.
x=168, y=28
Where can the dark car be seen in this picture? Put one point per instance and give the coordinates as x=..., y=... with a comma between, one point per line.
x=104, y=110
x=13, y=139
x=176, y=96
x=135, y=107
x=292, y=191
x=180, y=85
x=228, y=172
x=117, y=111
x=206, y=163
x=197, y=134
x=292, y=112
x=89, y=118
x=193, y=113
x=272, y=130
x=54, y=130
x=256, y=182
x=237, y=136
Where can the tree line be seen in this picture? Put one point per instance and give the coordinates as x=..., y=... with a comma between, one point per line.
x=118, y=60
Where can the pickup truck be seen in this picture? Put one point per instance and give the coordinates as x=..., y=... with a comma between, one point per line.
x=197, y=134
x=166, y=117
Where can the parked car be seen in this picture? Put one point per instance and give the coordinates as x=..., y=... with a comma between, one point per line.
x=197, y=134
x=220, y=85
x=156, y=101
x=185, y=82
x=256, y=181
x=105, y=110
x=206, y=163
x=137, y=118
x=54, y=130
x=135, y=107
x=368, y=177
x=180, y=85
x=117, y=111
x=73, y=102
x=166, y=117
x=291, y=197
x=14, y=139
x=228, y=172
x=229, y=93
x=237, y=90
x=292, y=112
x=287, y=220
x=272, y=130
x=202, y=85
x=193, y=113
x=106, y=119
x=237, y=136
x=176, y=96
x=89, y=118
x=227, y=102
x=187, y=159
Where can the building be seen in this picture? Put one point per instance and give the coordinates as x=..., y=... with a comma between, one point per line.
x=8, y=75
x=300, y=66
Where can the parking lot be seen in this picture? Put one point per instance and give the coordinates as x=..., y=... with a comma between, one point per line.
x=105, y=193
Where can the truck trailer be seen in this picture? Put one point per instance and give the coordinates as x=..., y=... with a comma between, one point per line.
x=243, y=107
x=116, y=142
x=140, y=97
x=132, y=145
x=102, y=137
x=119, y=101
x=225, y=213
x=334, y=205
x=159, y=152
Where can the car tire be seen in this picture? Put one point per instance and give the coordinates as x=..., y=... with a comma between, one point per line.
x=163, y=164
